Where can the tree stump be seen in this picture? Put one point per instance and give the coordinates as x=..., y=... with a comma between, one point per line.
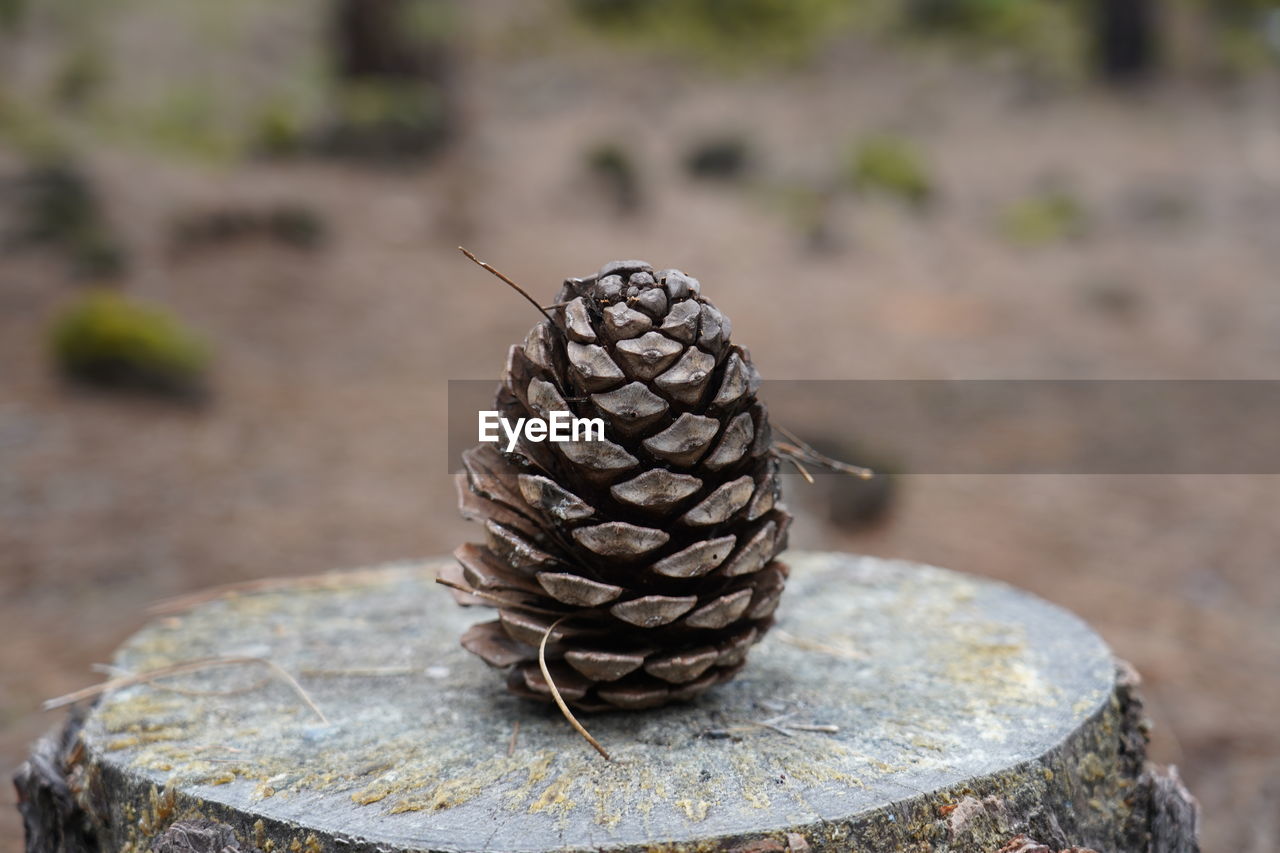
x=895, y=706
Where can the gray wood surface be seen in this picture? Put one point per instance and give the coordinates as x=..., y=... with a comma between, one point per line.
x=895, y=706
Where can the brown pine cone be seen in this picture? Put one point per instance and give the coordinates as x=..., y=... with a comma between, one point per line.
x=657, y=545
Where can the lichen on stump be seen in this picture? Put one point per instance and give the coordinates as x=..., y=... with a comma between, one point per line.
x=923, y=709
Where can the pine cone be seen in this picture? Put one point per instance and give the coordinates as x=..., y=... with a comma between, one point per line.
x=658, y=543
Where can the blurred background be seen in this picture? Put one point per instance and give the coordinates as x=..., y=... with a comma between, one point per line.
x=230, y=299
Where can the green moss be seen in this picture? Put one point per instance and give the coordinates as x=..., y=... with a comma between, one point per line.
x=27, y=129
x=1241, y=50
x=805, y=207
x=277, y=131
x=80, y=76
x=994, y=20
x=1050, y=39
x=107, y=340
x=890, y=165
x=1044, y=219
x=188, y=121
x=431, y=23
x=386, y=120
x=11, y=13
x=725, y=32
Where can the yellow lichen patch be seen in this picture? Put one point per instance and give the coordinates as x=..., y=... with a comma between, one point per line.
x=645, y=780
x=694, y=810
x=989, y=656
x=1092, y=768
x=541, y=768
x=607, y=815
x=420, y=787
x=536, y=771
x=455, y=792
x=369, y=796
x=143, y=738
x=925, y=743
x=555, y=797
x=159, y=810
x=753, y=792
x=811, y=773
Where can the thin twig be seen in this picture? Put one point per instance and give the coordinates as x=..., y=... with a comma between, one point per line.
x=775, y=724
x=795, y=462
x=365, y=672
x=778, y=725
x=801, y=449
x=816, y=646
x=515, y=733
x=117, y=672
x=557, y=328
x=555, y=691
x=188, y=600
x=732, y=730
x=517, y=288
x=183, y=669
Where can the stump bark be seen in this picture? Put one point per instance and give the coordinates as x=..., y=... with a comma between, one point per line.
x=896, y=706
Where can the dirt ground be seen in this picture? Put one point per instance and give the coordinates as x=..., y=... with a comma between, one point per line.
x=324, y=446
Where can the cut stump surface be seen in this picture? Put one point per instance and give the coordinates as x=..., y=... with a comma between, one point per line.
x=894, y=706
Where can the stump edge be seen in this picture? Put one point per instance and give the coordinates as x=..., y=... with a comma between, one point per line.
x=1096, y=790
